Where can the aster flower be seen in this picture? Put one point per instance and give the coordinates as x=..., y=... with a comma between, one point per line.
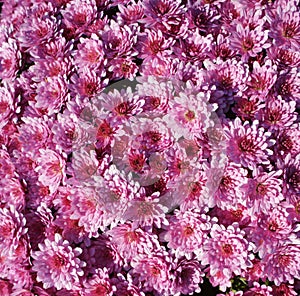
x=270, y=229
x=153, y=271
x=187, y=232
x=56, y=264
x=227, y=253
x=281, y=265
x=230, y=191
x=258, y=289
x=51, y=169
x=264, y=191
x=131, y=241
x=247, y=144
x=99, y=284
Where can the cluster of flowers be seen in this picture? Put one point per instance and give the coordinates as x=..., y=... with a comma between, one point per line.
x=149, y=147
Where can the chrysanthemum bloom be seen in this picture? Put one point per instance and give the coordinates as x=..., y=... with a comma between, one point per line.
x=284, y=58
x=230, y=191
x=282, y=265
x=51, y=169
x=283, y=290
x=152, y=270
x=78, y=15
x=123, y=68
x=33, y=133
x=121, y=104
x=125, y=286
x=12, y=228
x=7, y=103
x=248, y=145
x=291, y=172
x=247, y=41
x=119, y=40
x=152, y=43
x=90, y=53
x=227, y=252
x=130, y=13
x=288, y=86
x=246, y=108
x=258, y=289
x=10, y=58
x=287, y=141
x=131, y=241
x=262, y=78
x=270, y=229
x=56, y=264
x=102, y=253
x=187, y=232
x=194, y=48
x=98, y=284
x=220, y=48
x=238, y=293
x=35, y=31
x=285, y=25
x=188, y=276
x=277, y=114
x=7, y=168
x=264, y=191
x=12, y=193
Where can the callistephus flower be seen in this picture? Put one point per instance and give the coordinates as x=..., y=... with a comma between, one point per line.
x=56, y=264
x=258, y=289
x=281, y=266
x=152, y=270
x=227, y=252
x=248, y=144
x=188, y=277
x=263, y=191
x=187, y=232
x=99, y=284
x=131, y=241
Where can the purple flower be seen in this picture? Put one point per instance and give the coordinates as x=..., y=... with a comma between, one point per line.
x=56, y=264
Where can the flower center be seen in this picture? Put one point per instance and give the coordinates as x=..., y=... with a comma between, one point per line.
x=227, y=249
x=273, y=226
x=188, y=231
x=261, y=189
x=246, y=145
x=189, y=115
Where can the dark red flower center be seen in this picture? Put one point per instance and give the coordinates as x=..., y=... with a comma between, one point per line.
x=246, y=145
x=227, y=249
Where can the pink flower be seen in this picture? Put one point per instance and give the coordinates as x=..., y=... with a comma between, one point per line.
x=227, y=253
x=258, y=289
x=51, y=169
x=152, y=270
x=247, y=41
x=188, y=277
x=123, y=68
x=248, y=145
x=281, y=265
x=56, y=264
x=125, y=286
x=10, y=59
x=230, y=191
x=7, y=104
x=291, y=171
x=132, y=241
x=264, y=191
x=99, y=284
x=187, y=232
x=283, y=289
x=247, y=107
x=130, y=13
x=284, y=58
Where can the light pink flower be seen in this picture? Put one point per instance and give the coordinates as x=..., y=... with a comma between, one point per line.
x=187, y=232
x=248, y=144
x=99, y=284
x=51, y=169
x=152, y=270
x=227, y=252
x=282, y=265
x=56, y=264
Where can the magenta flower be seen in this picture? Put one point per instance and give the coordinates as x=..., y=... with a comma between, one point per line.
x=227, y=252
x=123, y=68
x=187, y=232
x=281, y=265
x=247, y=144
x=7, y=104
x=283, y=289
x=258, y=289
x=56, y=264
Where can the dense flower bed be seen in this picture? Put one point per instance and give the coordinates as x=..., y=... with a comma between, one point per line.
x=149, y=147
